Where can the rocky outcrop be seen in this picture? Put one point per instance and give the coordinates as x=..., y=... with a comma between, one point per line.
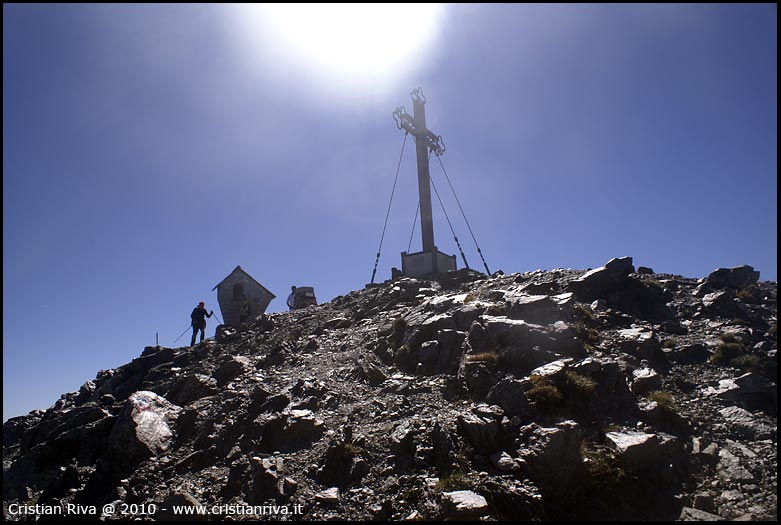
x=737, y=278
x=606, y=394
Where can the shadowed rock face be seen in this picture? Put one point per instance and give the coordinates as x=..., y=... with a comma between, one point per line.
x=548, y=395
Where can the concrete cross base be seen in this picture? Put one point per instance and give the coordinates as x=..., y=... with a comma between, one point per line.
x=426, y=263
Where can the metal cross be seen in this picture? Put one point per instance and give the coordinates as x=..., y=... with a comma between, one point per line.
x=425, y=140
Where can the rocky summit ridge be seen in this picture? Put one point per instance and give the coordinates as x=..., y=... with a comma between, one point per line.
x=613, y=393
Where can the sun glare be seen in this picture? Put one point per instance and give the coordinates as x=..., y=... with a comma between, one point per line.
x=351, y=41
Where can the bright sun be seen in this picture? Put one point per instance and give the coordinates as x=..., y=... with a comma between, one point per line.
x=360, y=41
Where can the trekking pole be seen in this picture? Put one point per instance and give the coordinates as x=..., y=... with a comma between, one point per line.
x=215, y=315
x=175, y=340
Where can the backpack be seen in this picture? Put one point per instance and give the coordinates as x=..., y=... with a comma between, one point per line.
x=195, y=319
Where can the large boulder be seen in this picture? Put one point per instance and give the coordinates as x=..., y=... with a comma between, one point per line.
x=463, y=505
x=552, y=454
x=737, y=277
x=522, y=346
x=142, y=429
x=598, y=283
x=637, y=450
x=539, y=309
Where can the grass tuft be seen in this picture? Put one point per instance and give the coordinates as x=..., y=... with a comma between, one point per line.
x=603, y=470
x=663, y=399
x=489, y=358
x=455, y=480
x=545, y=394
x=580, y=384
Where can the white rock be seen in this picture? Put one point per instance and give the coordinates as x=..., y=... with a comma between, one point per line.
x=638, y=450
x=328, y=495
x=464, y=503
x=503, y=461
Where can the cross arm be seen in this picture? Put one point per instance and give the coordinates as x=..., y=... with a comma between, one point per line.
x=407, y=123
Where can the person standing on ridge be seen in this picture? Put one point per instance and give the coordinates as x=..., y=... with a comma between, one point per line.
x=198, y=317
x=291, y=299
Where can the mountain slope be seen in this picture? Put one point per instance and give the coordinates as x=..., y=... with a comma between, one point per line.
x=563, y=394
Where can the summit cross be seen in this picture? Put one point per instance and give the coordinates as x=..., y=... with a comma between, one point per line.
x=425, y=140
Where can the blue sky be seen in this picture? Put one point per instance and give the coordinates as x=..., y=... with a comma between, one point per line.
x=148, y=150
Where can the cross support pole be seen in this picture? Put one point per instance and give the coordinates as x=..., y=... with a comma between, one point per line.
x=424, y=182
